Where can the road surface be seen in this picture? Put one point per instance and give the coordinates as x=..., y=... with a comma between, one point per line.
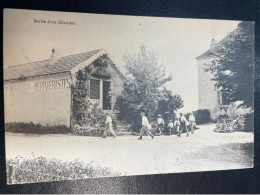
x=203, y=151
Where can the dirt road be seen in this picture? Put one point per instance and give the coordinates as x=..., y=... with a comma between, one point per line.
x=205, y=150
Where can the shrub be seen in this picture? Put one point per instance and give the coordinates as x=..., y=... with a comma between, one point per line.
x=249, y=122
x=87, y=130
x=202, y=116
x=36, y=128
x=42, y=169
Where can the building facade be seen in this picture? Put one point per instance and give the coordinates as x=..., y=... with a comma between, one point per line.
x=40, y=92
x=210, y=97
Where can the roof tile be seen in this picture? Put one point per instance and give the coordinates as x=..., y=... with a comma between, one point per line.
x=64, y=64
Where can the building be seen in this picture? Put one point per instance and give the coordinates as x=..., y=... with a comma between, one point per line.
x=209, y=97
x=40, y=92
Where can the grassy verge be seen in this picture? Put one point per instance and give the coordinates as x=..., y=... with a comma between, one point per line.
x=33, y=128
x=42, y=169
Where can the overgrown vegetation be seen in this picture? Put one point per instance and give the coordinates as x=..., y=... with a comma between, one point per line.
x=42, y=169
x=33, y=128
x=233, y=65
x=240, y=123
x=202, y=116
x=249, y=122
x=84, y=113
x=145, y=89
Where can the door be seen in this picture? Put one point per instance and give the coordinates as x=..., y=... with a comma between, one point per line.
x=107, y=95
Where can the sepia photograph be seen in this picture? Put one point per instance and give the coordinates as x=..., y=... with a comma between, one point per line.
x=95, y=95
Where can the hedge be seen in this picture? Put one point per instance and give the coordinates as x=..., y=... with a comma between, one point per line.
x=33, y=128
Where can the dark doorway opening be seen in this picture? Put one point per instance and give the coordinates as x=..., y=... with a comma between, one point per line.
x=107, y=95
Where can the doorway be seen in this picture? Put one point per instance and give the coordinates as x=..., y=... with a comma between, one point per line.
x=107, y=95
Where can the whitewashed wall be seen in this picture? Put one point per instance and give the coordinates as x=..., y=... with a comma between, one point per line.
x=207, y=94
x=45, y=100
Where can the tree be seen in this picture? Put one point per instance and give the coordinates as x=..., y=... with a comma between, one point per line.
x=232, y=67
x=144, y=91
x=168, y=104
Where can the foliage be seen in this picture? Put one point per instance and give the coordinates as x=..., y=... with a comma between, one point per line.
x=144, y=91
x=168, y=104
x=88, y=130
x=232, y=66
x=35, y=128
x=240, y=123
x=79, y=93
x=228, y=124
x=202, y=116
x=42, y=169
x=83, y=111
x=249, y=122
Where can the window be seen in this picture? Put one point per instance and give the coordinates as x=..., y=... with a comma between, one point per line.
x=225, y=100
x=94, y=89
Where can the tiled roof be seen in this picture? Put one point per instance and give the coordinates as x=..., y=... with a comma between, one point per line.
x=64, y=64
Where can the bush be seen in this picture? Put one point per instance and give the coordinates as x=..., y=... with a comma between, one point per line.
x=42, y=169
x=88, y=130
x=249, y=122
x=36, y=128
x=202, y=116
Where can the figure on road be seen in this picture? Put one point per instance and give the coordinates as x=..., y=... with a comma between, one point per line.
x=184, y=124
x=160, y=124
x=146, y=127
x=192, y=122
x=109, y=126
x=177, y=125
x=170, y=127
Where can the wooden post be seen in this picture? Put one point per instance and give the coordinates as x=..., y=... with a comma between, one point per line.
x=11, y=174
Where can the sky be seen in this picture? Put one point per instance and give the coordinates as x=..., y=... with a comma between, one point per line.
x=176, y=41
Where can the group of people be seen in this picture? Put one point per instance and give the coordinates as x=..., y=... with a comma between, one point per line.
x=180, y=124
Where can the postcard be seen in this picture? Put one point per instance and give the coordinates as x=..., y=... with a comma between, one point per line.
x=94, y=95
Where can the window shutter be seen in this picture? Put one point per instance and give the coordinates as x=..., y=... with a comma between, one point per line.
x=94, y=89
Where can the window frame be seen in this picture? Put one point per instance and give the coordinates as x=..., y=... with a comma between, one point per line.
x=90, y=90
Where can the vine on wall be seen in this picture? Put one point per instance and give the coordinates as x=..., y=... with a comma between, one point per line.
x=84, y=113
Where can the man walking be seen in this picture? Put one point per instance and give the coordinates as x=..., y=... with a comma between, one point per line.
x=145, y=126
x=184, y=124
x=108, y=126
x=192, y=122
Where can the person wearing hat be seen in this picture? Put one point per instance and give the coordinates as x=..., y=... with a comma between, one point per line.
x=160, y=124
x=170, y=127
x=108, y=126
x=192, y=122
x=184, y=124
x=177, y=124
x=145, y=126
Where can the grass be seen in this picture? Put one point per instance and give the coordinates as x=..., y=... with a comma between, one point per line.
x=32, y=128
x=42, y=169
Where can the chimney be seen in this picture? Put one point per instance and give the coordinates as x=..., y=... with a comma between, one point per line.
x=213, y=44
x=54, y=57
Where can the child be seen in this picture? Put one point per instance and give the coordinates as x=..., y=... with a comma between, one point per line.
x=160, y=123
x=177, y=125
x=192, y=122
x=170, y=127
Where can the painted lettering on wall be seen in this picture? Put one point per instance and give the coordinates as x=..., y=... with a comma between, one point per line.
x=52, y=85
x=19, y=88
